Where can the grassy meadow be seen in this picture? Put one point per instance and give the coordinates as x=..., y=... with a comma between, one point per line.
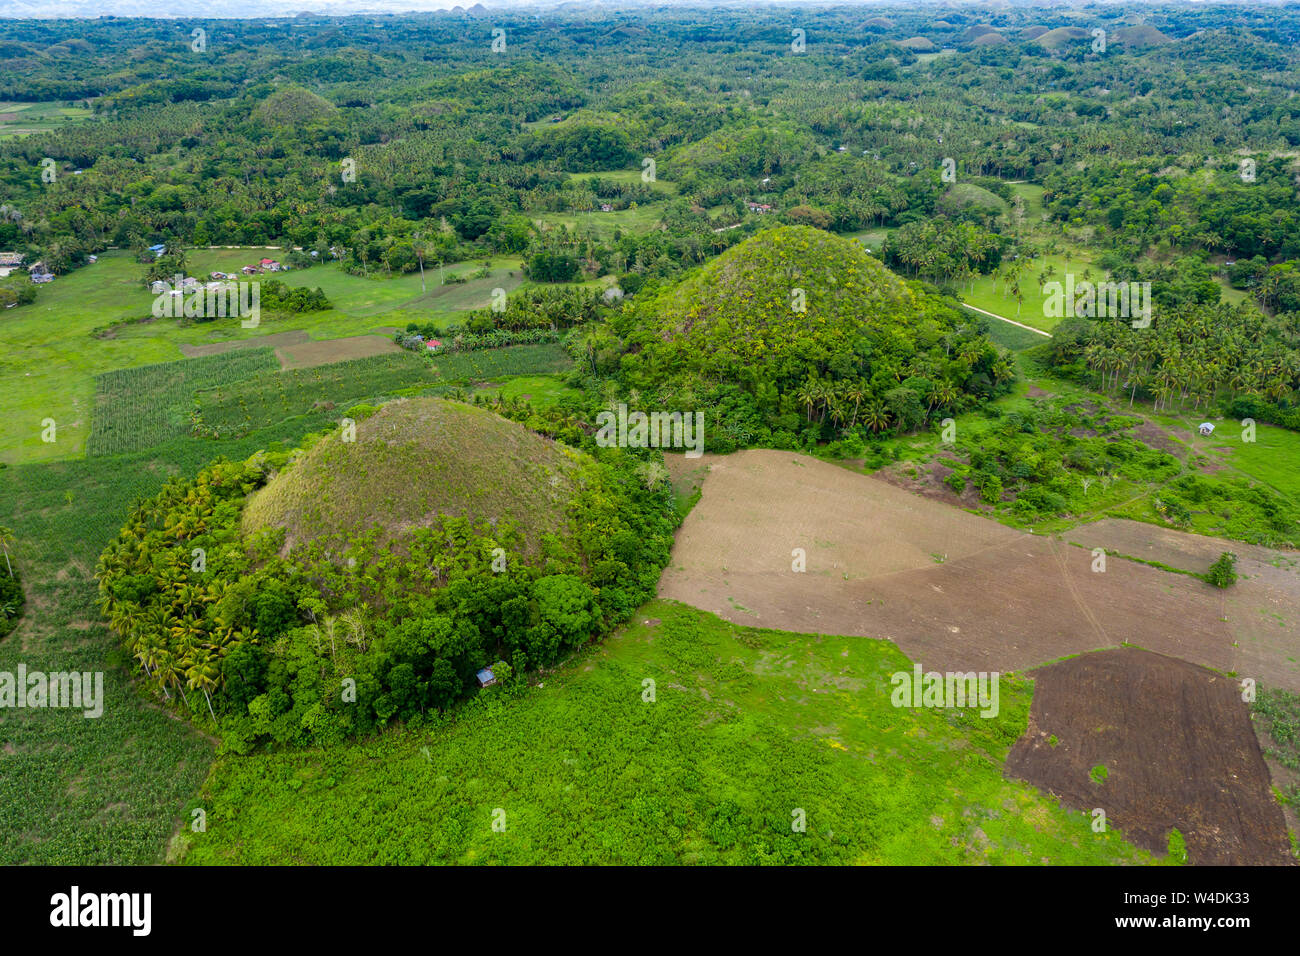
x=749, y=731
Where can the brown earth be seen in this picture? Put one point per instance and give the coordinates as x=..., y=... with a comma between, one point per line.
x=1262, y=610
x=927, y=479
x=275, y=341
x=1162, y=439
x=297, y=349
x=327, y=351
x=951, y=589
x=1178, y=748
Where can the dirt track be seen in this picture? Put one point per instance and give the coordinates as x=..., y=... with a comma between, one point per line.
x=1177, y=746
x=953, y=590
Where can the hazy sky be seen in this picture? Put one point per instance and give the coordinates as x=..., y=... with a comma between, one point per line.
x=264, y=8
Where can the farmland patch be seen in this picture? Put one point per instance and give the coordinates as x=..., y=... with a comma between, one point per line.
x=1178, y=750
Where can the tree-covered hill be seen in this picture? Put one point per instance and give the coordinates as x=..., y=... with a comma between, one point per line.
x=796, y=332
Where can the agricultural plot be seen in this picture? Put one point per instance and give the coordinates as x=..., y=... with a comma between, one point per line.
x=273, y=396
x=138, y=408
x=326, y=351
x=951, y=589
x=1175, y=749
x=26, y=119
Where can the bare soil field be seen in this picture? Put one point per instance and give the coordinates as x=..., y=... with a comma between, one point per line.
x=326, y=351
x=951, y=589
x=1177, y=748
x=1262, y=608
x=276, y=340
x=297, y=349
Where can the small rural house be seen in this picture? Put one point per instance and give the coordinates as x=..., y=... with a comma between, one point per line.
x=612, y=294
x=270, y=265
x=158, y=287
x=433, y=345
x=250, y=270
x=606, y=207
x=485, y=677
x=158, y=249
x=1205, y=428
x=759, y=207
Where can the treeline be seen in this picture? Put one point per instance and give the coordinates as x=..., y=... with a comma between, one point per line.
x=398, y=157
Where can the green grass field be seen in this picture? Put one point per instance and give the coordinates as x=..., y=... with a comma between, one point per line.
x=749, y=732
x=48, y=349
x=24, y=119
x=602, y=225
x=542, y=391
x=991, y=295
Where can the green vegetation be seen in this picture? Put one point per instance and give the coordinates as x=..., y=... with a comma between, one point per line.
x=679, y=157
x=376, y=574
x=144, y=406
x=313, y=393
x=1177, y=851
x=12, y=597
x=1049, y=463
x=1223, y=572
x=1276, y=713
x=876, y=784
x=1099, y=774
x=1205, y=355
x=834, y=342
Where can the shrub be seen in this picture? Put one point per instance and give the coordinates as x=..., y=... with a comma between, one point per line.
x=990, y=487
x=1223, y=572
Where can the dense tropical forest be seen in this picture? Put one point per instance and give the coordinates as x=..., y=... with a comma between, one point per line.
x=832, y=231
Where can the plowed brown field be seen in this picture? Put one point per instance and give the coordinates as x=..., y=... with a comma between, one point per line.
x=952, y=589
x=1178, y=750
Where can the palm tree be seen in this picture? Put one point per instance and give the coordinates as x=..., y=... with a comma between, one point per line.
x=856, y=392
x=825, y=395
x=836, y=408
x=875, y=416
